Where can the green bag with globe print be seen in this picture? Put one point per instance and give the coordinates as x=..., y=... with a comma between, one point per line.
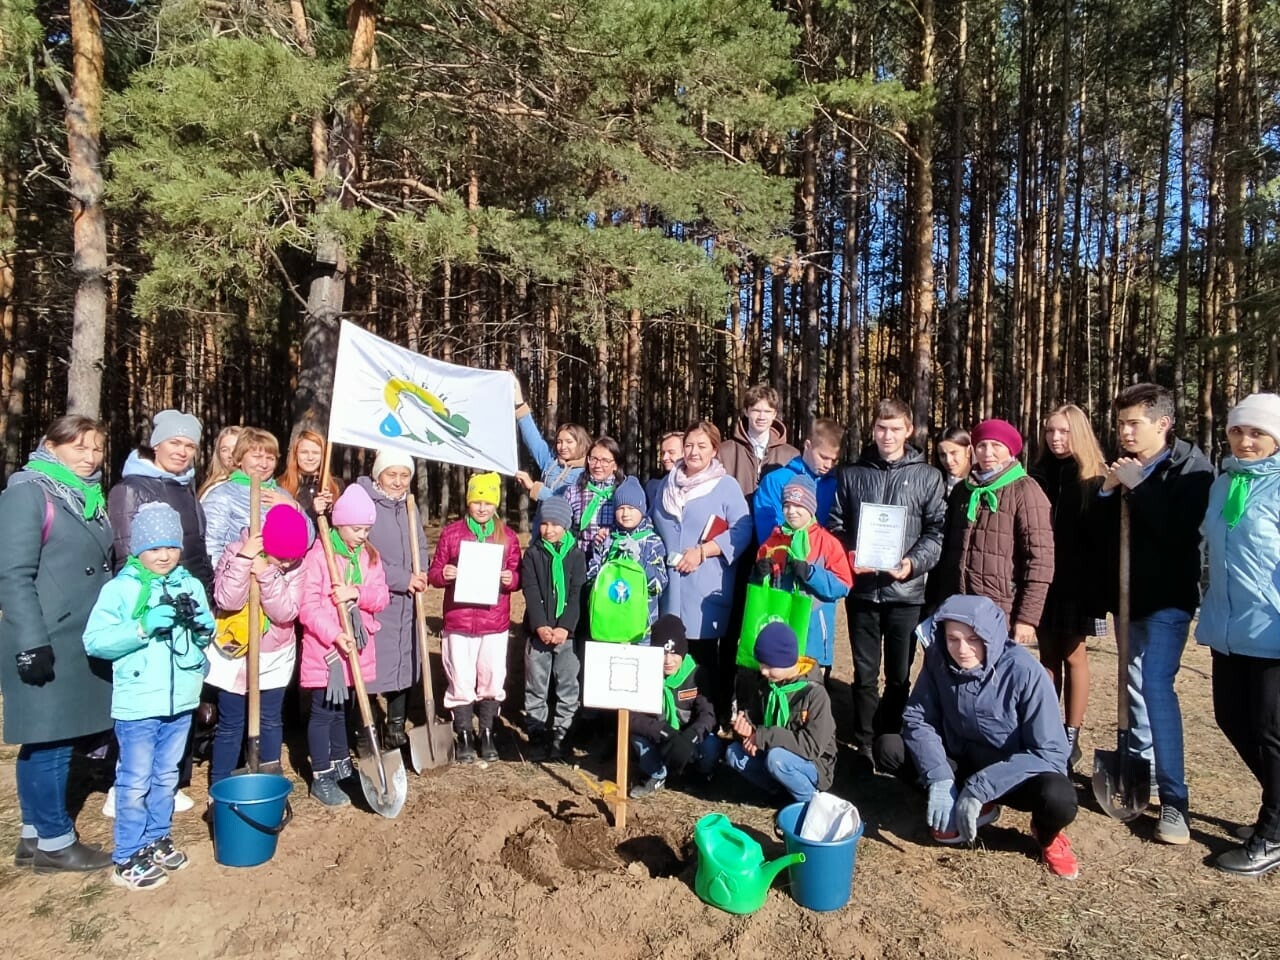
x=619, y=604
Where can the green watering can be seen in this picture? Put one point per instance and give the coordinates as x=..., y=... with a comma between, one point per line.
x=732, y=872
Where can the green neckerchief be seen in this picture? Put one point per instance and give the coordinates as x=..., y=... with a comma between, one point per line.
x=558, y=552
x=58, y=471
x=669, y=687
x=600, y=493
x=1237, y=496
x=241, y=479
x=777, y=711
x=482, y=533
x=147, y=578
x=353, y=576
x=987, y=492
x=799, y=546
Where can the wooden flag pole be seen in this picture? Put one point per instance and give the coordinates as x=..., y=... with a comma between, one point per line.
x=620, y=776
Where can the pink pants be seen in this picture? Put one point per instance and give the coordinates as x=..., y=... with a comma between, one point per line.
x=476, y=667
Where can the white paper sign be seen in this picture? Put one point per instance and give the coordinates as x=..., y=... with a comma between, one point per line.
x=479, y=572
x=622, y=676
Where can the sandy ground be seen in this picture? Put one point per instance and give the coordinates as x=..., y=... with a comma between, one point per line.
x=520, y=860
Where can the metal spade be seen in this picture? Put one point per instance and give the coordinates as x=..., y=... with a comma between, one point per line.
x=430, y=745
x=382, y=775
x=1122, y=778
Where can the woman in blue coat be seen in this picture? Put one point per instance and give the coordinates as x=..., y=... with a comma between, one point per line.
x=699, y=493
x=1240, y=615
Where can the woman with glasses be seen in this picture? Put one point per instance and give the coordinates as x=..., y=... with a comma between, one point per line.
x=591, y=498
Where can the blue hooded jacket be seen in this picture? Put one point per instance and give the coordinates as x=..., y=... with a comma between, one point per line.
x=767, y=503
x=999, y=722
x=1241, y=609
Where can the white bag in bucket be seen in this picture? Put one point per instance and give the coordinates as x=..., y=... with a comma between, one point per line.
x=828, y=819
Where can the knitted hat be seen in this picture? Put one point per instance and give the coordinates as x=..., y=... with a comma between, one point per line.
x=630, y=494
x=156, y=524
x=555, y=510
x=1259, y=410
x=390, y=458
x=776, y=646
x=354, y=508
x=284, y=533
x=168, y=424
x=1002, y=431
x=801, y=490
x=668, y=633
x=485, y=488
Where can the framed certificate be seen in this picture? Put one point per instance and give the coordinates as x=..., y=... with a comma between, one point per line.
x=882, y=530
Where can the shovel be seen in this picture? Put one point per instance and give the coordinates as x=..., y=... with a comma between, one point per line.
x=1122, y=779
x=430, y=745
x=382, y=775
x=253, y=650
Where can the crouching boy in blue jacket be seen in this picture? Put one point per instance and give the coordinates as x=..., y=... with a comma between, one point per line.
x=153, y=622
x=981, y=727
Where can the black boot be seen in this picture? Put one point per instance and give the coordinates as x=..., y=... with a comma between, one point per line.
x=395, y=737
x=466, y=751
x=77, y=858
x=487, y=711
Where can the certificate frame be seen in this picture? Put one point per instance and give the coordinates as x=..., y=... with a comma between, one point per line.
x=882, y=534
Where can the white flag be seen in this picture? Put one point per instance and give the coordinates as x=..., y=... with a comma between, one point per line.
x=387, y=396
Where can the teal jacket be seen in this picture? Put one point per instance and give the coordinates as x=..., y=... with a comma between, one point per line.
x=1240, y=613
x=152, y=676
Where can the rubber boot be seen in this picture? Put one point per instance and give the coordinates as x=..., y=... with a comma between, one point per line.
x=395, y=737
x=466, y=751
x=487, y=711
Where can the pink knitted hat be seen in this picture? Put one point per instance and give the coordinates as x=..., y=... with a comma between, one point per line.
x=354, y=508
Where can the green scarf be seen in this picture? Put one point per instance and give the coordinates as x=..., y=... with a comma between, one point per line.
x=59, y=472
x=799, y=546
x=669, y=687
x=777, y=710
x=241, y=479
x=147, y=578
x=481, y=533
x=353, y=576
x=600, y=493
x=558, y=552
x=987, y=492
x=1237, y=496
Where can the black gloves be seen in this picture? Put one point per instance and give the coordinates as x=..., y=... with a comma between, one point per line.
x=677, y=751
x=800, y=569
x=35, y=666
x=763, y=569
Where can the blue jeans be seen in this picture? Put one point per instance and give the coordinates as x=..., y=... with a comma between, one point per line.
x=146, y=778
x=649, y=759
x=774, y=768
x=229, y=735
x=1156, y=643
x=41, y=772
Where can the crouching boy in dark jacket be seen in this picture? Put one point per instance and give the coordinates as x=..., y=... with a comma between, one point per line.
x=685, y=731
x=788, y=738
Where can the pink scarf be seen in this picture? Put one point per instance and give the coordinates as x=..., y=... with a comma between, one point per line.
x=681, y=488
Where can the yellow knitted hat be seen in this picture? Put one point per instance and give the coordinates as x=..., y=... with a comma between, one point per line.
x=485, y=488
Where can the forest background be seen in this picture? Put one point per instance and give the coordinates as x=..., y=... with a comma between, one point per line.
x=982, y=207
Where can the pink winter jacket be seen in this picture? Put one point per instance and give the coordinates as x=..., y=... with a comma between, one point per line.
x=465, y=618
x=281, y=593
x=319, y=617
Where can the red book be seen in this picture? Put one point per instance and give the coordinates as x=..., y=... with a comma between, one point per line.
x=716, y=525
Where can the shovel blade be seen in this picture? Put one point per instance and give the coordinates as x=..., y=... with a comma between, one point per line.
x=1121, y=781
x=384, y=782
x=430, y=745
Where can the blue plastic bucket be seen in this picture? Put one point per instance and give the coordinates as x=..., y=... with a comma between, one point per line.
x=825, y=880
x=248, y=814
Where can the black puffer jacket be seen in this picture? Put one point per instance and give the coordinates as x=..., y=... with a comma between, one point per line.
x=1076, y=587
x=909, y=482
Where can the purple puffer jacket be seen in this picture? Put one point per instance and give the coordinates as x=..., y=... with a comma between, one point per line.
x=474, y=621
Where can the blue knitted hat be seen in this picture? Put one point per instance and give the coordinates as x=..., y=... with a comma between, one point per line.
x=630, y=494
x=556, y=510
x=156, y=524
x=801, y=490
x=777, y=646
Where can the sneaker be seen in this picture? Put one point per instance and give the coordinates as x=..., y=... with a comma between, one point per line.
x=324, y=787
x=164, y=854
x=1173, y=827
x=1058, y=856
x=181, y=802
x=989, y=813
x=556, y=747
x=138, y=873
x=109, y=804
x=1253, y=859
x=647, y=788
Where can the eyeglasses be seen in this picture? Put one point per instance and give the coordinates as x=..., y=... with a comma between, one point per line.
x=601, y=461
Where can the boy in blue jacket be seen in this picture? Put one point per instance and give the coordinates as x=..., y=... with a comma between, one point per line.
x=981, y=726
x=153, y=622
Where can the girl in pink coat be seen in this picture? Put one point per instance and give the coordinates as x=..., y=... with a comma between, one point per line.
x=474, y=645
x=326, y=649
x=271, y=559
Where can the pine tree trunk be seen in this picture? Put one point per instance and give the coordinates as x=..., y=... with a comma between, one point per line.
x=920, y=218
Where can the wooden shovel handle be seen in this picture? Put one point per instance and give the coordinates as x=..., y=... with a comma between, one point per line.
x=254, y=652
x=420, y=611
x=344, y=621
